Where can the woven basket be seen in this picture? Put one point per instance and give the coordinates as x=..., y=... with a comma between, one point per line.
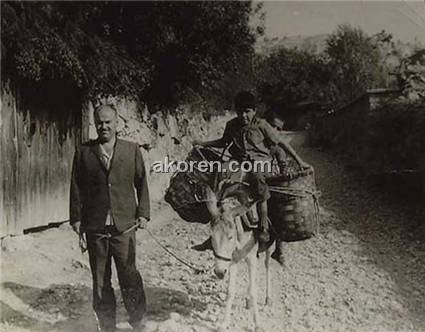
x=186, y=192
x=293, y=206
x=187, y=197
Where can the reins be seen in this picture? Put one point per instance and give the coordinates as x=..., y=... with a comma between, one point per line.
x=197, y=270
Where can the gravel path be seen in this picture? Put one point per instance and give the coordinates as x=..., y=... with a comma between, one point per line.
x=364, y=272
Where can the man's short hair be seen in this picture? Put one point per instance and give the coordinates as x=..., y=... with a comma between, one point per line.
x=275, y=119
x=99, y=108
x=244, y=100
x=273, y=114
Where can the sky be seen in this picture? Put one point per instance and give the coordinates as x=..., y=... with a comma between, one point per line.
x=405, y=20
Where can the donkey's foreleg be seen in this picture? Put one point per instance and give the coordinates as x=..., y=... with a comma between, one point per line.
x=252, y=267
x=231, y=290
x=268, y=277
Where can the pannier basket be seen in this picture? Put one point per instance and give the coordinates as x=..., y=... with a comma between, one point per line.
x=186, y=192
x=294, y=206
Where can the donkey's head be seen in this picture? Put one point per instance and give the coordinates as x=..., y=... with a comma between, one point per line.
x=224, y=229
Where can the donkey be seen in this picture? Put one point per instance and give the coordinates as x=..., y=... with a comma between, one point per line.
x=233, y=240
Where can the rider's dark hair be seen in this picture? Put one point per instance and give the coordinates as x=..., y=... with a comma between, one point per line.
x=244, y=100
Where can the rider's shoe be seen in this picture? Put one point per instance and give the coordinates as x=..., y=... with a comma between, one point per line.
x=264, y=235
x=278, y=253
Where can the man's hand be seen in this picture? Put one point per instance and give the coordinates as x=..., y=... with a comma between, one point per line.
x=142, y=222
x=76, y=227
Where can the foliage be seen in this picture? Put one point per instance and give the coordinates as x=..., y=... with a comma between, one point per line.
x=411, y=76
x=289, y=76
x=65, y=43
x=351, y=63
x=391, y=137
x=396, y=136
x=207, y=42
x=159, y=51
x=356, y=61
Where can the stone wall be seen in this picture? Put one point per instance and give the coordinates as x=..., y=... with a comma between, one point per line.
x=161, y=134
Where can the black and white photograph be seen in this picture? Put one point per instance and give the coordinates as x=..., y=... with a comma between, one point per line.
x=202, y=166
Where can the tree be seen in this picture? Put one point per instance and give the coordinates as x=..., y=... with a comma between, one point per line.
x=67, y=45
x=161, y=52
x=411, y=76
x=288, y=76
x=356, y=62
x=197, y=45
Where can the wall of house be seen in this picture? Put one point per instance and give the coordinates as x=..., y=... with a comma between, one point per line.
x=36, y=149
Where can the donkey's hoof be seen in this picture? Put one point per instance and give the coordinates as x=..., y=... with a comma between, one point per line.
x=269, y=301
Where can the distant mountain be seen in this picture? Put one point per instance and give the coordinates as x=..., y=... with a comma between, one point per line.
x=314, y=44
x=317, y=44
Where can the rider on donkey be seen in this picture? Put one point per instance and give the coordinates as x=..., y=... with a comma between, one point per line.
x=252, y=139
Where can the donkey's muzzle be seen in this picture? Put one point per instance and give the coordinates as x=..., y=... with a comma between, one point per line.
x=220, y=273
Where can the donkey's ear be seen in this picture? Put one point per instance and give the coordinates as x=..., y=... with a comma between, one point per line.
x=239, y=210
x=211, y=202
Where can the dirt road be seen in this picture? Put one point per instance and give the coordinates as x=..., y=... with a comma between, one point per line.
x=365, y=272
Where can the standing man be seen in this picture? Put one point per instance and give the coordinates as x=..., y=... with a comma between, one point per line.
x=109, y=194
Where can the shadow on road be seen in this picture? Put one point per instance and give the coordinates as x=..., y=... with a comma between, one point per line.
x=67, y=308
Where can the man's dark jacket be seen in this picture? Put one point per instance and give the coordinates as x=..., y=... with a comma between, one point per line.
x=95, y=190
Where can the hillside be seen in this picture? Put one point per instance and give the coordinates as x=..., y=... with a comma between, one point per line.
x=315, y=43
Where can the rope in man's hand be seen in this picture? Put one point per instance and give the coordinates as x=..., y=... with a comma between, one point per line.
x=196, y=269
x=141, y=223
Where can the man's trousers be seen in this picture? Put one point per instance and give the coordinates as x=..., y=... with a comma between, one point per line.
x=122, y=248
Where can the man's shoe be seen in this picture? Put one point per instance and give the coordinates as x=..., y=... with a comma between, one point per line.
x=206, y=245
x=136, y=326
x=103, y=326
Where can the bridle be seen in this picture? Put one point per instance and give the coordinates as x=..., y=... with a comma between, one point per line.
x=237, y=254
x=223, y=258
